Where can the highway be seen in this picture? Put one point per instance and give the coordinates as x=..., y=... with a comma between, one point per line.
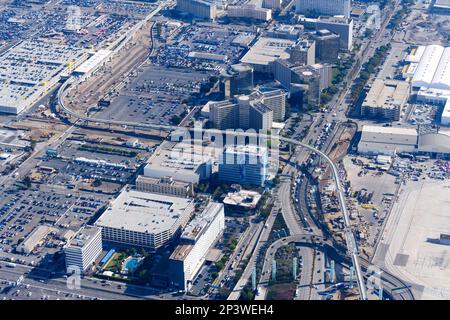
x=290, y=216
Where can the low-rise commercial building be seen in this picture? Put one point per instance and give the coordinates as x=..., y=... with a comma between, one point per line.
x=241, y=201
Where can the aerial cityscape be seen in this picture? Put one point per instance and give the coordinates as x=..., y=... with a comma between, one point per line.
x=224, y=150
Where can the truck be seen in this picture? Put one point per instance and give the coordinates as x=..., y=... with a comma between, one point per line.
x=11, y=265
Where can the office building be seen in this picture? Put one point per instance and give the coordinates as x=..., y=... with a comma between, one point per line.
x=83, y=249
x=255, y=111
x=327, y=46
x=144, y=219
x=244, y=164
x=180, y=161
x=197, y=238
x=275, y=99
x=285, y=31
x=265, y=52
x=341, y=26
x=324, y=7
x=236, y=79
x=249, y=11
x=241, y=201
x=198, y=8
x=307, y=81
x=272, y=4
x=303, y=52
x=167, y=186
x=385, y=100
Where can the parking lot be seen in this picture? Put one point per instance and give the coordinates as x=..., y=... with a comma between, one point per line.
x=156, y=95
x=21, y=211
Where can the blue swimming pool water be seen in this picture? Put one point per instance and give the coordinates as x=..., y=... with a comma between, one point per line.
x=132, y=264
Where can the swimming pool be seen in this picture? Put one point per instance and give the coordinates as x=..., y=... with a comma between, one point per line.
x=132, y=264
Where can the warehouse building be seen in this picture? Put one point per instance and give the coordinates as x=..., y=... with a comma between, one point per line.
x=387, y=140
x=376, y=140
x=195, y=241
x=145, y=219
x=429, y=73
x=84, y=248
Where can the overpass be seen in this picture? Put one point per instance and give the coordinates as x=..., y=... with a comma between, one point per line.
x=350, y=239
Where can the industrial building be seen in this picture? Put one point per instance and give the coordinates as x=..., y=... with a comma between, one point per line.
x=30, y=69
x=145, y=219
x=385, y=100
x=387, y=140
x=179, y=161
x=327, y=46
x=428, y=70
x=244, y=164
x=376, y=140
x=195, y=241
x=249, y=11
x=83, y=249
x=198, y=8
x=167, y=186
x=324, y=7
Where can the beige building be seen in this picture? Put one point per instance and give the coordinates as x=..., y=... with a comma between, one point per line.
x=166, y=186
x=385, y=100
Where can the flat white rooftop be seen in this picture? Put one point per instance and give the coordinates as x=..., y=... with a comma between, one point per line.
x=267, y=50
x=93, y=62
x=30, y=69
x=144, y=212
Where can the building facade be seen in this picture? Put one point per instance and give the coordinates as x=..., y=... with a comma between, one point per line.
x=324, y=7
x=246, y=165
x=166, y=186
x=198, y=8
x=195, y=242
x=83, y=249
